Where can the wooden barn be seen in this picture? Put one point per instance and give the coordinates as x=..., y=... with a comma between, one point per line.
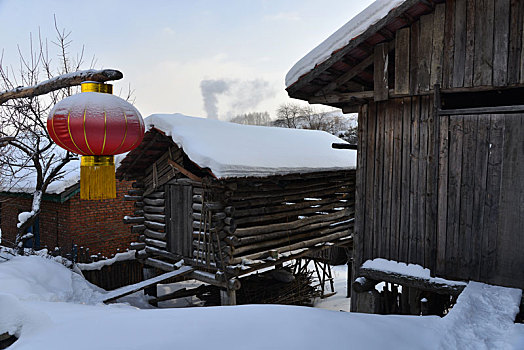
x=438, y=86
x=229, y=199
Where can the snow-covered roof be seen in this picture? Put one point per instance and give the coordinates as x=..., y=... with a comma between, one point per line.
x=234, y=150
x=342, y=37
x=25, y=180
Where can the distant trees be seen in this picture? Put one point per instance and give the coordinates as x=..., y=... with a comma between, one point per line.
x=296, y=116
x=293, y=115
x=254, y=118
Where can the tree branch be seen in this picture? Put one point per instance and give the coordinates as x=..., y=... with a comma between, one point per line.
x=60, y=82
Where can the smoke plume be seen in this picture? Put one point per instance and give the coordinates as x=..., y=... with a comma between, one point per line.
x=240, y=96
x=210, y=89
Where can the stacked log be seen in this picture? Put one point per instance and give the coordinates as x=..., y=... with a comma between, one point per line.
x=238, y=221
x=150, y=222
x=256, y=219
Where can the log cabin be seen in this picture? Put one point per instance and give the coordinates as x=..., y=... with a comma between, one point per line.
x=229, y=199
x=439, y=91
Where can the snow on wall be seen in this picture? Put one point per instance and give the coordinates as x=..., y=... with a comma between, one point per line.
x=234, y=150
x=349, y=31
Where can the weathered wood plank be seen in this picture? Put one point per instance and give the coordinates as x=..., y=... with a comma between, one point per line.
x=492, y=203
x=449, y=48
x=424, y=56
x=380, y=76
x=370, y=171
x=387, y=179
x=515, y=40
x=361, y=181
x=396, y=121
x=413, y=59
x=479, y=192
x=442, y=231
x=439, y=20
x=466, y=196
x=470, y=43
x=378, y=242
x=179, y=220
x=501, y=42
x=422, y=180
x=414, y=179
x=405, y=182
x=430, y=250
x=454, y=182
x=402, y=43
x=459, y=54
x=510, y=245
x=483, y=65
x=522, y=51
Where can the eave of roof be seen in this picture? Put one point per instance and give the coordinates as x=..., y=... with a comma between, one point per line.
x=395, y=19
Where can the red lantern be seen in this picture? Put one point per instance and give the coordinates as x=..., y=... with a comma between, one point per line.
x=96, y=125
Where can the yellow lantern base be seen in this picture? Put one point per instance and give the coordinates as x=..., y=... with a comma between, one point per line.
x=97, y=177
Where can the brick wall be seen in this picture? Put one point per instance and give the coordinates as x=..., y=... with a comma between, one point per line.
x=97, y=225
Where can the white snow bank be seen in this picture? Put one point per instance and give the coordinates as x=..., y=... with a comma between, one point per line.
x=17, y=318
x=482, y=318
x=406, y=269
x=349, y=31
x=33, y=278
x=234, y=150
x=43, y=304
x=97, y=265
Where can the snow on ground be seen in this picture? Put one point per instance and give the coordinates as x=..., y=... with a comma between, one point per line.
x=50, y=307
x=234, y=150
x=337, y=302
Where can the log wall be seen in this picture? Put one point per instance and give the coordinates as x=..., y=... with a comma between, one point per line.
x=443, y=193
x=216, y=224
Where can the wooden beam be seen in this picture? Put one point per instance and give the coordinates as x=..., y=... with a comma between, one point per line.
x=184, y=171
x=353, y=72
x=482, y=110
x=120, y=292
x=440, y=287
x=358, y=41
x=341, y=98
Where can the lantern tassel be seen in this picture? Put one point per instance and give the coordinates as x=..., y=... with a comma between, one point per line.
x=97, y=177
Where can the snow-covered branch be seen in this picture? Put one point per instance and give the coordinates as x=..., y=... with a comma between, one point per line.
x=60, y=82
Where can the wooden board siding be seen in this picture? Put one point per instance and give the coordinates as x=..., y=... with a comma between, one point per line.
x=462, y=43
x=449, y=197
x=179, y=219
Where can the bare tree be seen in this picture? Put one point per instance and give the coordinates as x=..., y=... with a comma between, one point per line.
x=254, y=118
x=27, y=95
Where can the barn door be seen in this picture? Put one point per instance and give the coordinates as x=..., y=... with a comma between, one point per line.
x=179, y=219
x=481, y=198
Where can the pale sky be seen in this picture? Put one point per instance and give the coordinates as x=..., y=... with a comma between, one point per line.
x=242, y=48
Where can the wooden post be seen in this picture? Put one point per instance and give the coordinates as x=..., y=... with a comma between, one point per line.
x=152, y=290
x=228, y=297
x=381, y=84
